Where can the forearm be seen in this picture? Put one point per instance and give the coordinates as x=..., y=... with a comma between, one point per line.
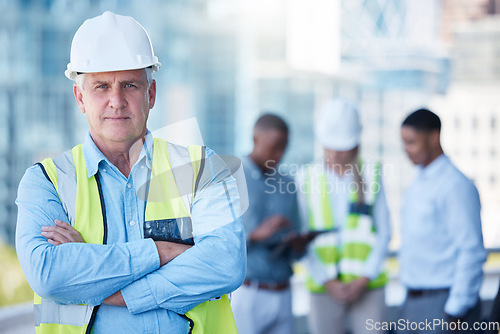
x=77, y=273
x=464, y=226
x=213, y=267
x=466, y=283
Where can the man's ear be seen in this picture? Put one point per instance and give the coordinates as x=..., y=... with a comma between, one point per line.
x=434, y=138
x=79, y=97
x=152, y=94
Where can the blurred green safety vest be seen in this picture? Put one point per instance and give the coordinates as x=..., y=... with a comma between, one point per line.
x=344, y=258
x=82, y=199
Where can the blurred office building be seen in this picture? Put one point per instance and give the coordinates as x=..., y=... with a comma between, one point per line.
x=226, y=61
x=471, y=114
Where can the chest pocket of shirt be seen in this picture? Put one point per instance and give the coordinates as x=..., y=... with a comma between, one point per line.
x=427, y=215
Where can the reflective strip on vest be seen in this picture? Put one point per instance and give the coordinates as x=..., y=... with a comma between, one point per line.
x=65, y=169
x=358, y=236
x=320, y=212
x=175, y=175
x=52, y=313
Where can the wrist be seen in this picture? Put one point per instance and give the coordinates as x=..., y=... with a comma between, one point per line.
x=169, y=250
x=259, y=235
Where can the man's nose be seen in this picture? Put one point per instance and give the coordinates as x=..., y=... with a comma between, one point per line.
x=117, y=99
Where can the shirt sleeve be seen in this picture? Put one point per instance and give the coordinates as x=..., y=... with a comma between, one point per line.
x=296, y=224
x=254, y=215
x=464, y=224
x=302, y=201
x=381, y=219
x=72, y=273
x=214, y=266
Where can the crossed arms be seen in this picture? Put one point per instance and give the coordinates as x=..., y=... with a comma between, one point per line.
x=148, y=275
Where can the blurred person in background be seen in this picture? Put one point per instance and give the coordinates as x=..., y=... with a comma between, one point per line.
x=109, y=236
x=494, y=317
x=442, y=252
x=343, y=201
x=263, y=304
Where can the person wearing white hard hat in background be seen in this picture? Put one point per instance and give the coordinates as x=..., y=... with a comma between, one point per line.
x=342, y=199
x=127, y=233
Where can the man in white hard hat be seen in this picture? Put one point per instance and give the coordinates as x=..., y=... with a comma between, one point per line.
x=127, y=233
x=343, y=200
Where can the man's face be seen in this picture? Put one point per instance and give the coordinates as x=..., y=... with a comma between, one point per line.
x=270, y=145
x=117, y=105
x=342, y=158
x=418, y=144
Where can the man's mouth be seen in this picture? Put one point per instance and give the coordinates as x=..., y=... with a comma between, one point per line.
x=116, y=118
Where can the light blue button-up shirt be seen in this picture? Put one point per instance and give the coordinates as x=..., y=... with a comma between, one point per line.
x=77, y=273
x=442, y=242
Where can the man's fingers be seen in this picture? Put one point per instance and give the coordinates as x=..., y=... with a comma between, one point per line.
x=70, y=228
x=65, y=229
x=55, y=236
x=53, y=242
x=61, y=231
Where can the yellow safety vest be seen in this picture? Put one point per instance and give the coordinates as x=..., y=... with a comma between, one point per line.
x=343, y=259
x=83, y=197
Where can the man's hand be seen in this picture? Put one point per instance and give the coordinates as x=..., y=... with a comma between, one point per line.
x=269, y=227
x=346, y=293
x=356, y=288
x=337, y=290
x=61, y=233
x=299, y=242
x=115, y=299
x=169, y=250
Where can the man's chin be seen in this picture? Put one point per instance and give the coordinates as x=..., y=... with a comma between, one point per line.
x=413, y=160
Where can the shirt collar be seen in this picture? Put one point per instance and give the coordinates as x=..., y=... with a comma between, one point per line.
x=434, y=167
x=93, y=156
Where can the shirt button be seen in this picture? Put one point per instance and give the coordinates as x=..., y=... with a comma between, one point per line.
x=132, y=223
x=129, y=185
x=104, y=170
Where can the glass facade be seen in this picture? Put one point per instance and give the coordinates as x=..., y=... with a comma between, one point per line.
x=227, y=61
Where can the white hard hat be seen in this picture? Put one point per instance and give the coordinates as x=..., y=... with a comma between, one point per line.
x=110, y=42
x=338, y=127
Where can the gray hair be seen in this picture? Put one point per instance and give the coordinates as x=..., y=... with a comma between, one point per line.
x=80, y=78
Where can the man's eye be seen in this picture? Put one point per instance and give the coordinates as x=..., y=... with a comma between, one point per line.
x=102, y=86
x=129, y=85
